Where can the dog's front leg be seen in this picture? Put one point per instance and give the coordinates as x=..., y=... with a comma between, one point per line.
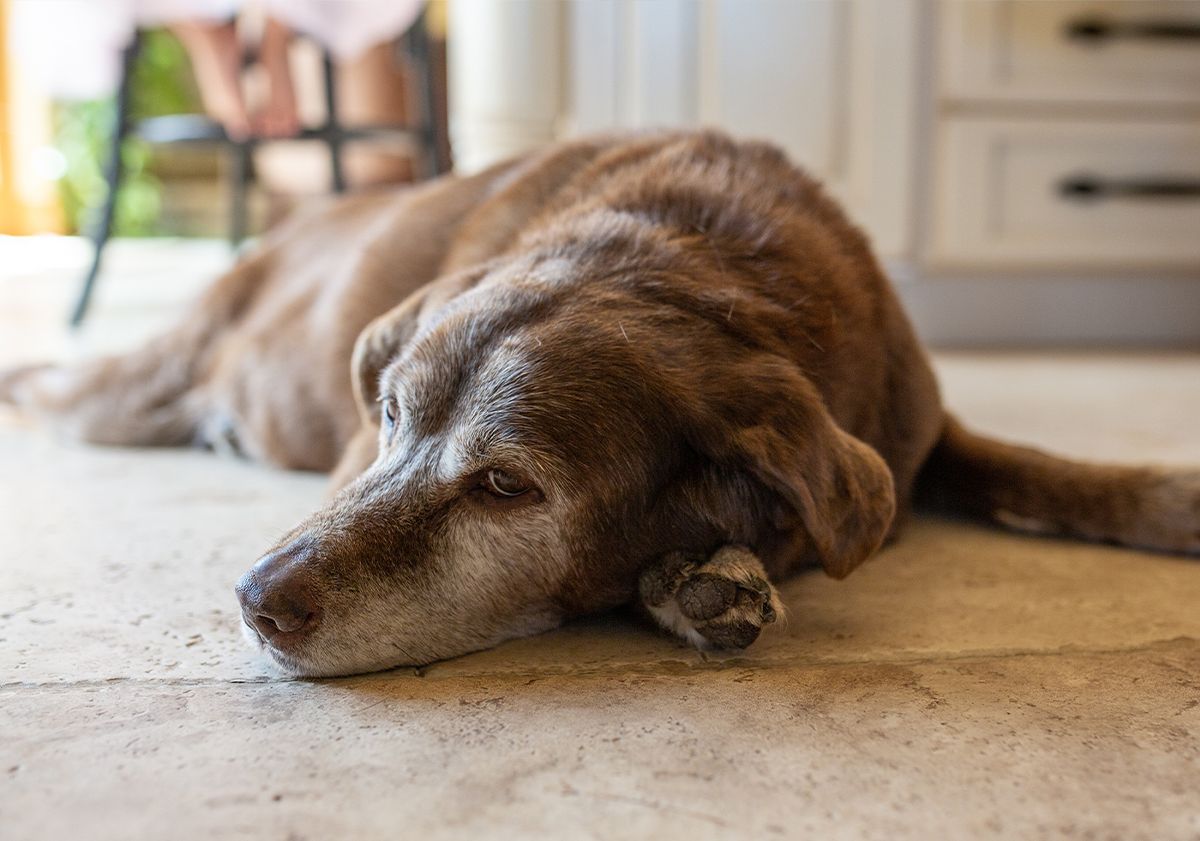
x=722, y=601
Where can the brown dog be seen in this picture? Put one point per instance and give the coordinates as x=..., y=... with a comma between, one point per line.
x=661, y=367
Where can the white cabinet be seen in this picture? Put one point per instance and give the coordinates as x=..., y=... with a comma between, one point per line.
x=1075, y=51
x=1008, y=158
x=1066, y=135
x=831, y=81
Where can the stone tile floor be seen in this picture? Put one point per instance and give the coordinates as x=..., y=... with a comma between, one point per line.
x=967, y=683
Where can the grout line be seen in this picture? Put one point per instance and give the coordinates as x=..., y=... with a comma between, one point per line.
x=592, y=670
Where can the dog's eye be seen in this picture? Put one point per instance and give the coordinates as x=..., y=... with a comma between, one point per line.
x=500, y=483
x=389, y=412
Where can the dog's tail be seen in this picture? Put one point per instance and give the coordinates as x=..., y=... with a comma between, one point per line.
x=1023, y=488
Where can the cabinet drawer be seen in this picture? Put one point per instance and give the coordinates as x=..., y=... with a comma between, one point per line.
x=1114, y=51
x=1036, y=193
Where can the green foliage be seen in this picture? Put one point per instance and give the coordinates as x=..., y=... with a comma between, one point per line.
x=162, y=85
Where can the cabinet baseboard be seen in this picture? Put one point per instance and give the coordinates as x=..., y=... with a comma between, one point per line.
x=1127, y=310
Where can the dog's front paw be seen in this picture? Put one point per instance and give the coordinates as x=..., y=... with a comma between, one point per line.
x=719, y=602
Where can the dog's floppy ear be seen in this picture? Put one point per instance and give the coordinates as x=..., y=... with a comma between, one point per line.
x=762, y=416
x=383, y=339
x=376, y=346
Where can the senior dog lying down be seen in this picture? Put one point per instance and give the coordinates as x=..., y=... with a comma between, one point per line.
x=660, y=368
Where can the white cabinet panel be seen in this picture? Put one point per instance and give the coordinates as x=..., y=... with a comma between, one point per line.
x=1075, y=51
x=779, y=70
x=662, y=71
x=830, y=81
x=1020, y=193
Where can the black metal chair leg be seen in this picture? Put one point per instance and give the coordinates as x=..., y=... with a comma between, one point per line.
x=193, y=128
x=419, y=52
x=239, y=173
x=112, y=176
x=333, y=126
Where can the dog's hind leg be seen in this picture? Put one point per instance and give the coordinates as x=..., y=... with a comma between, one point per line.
x=145, y=397
x=116, y=400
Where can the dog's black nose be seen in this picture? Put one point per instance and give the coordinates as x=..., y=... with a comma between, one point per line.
x=278, y=598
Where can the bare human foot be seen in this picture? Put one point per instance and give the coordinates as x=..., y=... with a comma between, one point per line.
x=278, y=116
x=216, y=57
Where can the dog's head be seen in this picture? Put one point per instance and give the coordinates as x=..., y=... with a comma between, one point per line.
x=538, y=442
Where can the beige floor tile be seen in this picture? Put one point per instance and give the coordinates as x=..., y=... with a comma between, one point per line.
x=967, y=682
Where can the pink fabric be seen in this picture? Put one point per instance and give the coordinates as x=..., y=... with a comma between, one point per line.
x=347, y=28
x=71, y=48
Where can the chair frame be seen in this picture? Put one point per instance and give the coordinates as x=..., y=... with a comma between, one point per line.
x=199, y=129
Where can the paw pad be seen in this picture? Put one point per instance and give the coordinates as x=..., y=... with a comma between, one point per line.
x=719, y=603
x=705, y=595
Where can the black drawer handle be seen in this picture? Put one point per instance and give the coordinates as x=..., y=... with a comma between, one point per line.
x=1095, y=188
x=1097, y=30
